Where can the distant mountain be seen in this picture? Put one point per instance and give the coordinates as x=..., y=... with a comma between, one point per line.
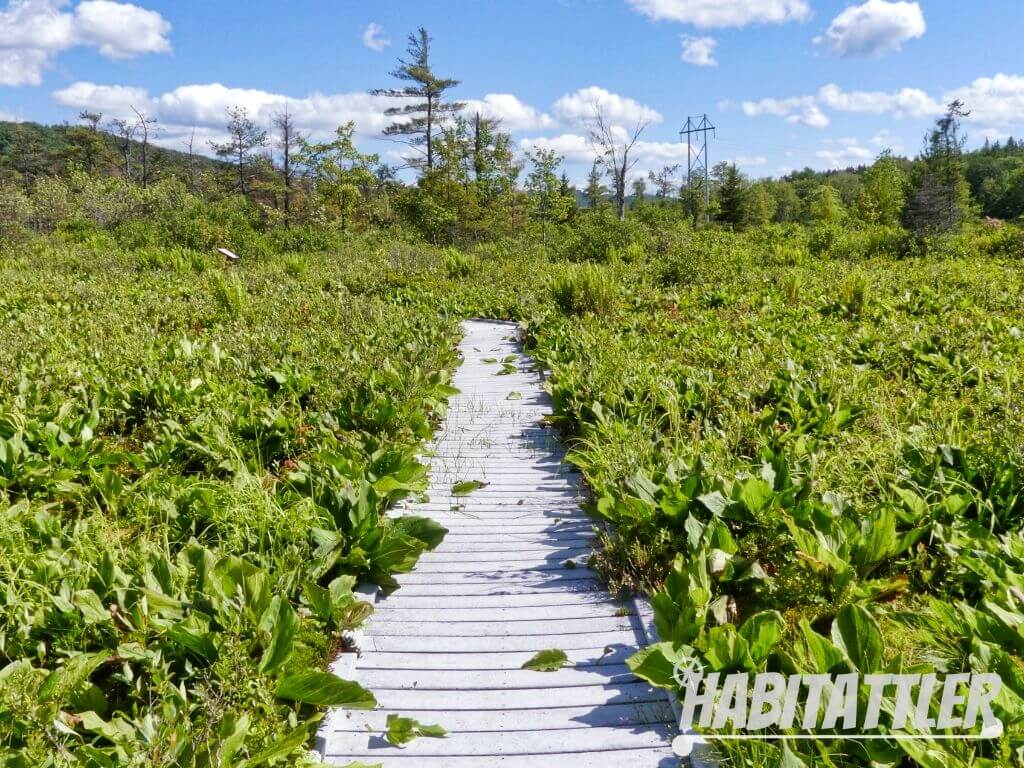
x=33, y=149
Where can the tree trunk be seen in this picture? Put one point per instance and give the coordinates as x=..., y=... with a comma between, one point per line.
x=430, y=132
x=241, y=172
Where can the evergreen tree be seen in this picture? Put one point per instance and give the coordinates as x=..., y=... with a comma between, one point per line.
x=422, y=119
x=596, y=192
x=639, y=191
x=940, y=194
x=243, y=137
x=664, y=182
x=341, y=175
x=548, y=202
x=732, y=194
x=88, y=144
x=289, y=141
x=826, y=206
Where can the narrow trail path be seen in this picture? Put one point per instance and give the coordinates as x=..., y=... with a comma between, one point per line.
x=509, y=580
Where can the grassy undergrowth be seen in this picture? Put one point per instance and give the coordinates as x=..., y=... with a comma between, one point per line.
x=194, y=463
x=780, y=441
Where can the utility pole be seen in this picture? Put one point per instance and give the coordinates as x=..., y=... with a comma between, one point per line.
x=698, y=166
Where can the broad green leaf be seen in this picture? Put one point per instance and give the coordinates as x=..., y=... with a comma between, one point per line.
x=514, y=396
x=422, y=528
x=762, y=631
x=790, y=759
x=466, y=487
x=714, y=502
x=232, y=734
x=822, y=653
x=656, y=664
x=856, y=632
x=284, y=746
x=89, y=605
x=728, y=651
x=61, y=682
x=322, y=689
x=547, y=661
x=402, y=730
x=282, y=635
x=194, y=635
x=755, y=494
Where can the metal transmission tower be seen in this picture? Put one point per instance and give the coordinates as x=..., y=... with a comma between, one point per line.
x=697, y=165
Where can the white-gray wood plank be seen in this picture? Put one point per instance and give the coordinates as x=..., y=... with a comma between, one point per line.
x=510, y=579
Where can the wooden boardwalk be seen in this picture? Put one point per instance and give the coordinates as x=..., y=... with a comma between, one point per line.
x=509, y=580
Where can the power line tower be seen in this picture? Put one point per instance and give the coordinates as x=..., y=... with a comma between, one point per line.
x=697, y=165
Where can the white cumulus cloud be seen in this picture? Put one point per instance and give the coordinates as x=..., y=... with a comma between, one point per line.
x=802, y=110
x=114, y=100
x=571, y=146
x=996, y=101
x=579, y=107
x=32, y=32
x=849, y=153
x=204, y=107
x=874, y=28
x=121, y=30
x=724, y=13
x=513, y=113
x=912, y=102
x=374, y=38
x=699, y=51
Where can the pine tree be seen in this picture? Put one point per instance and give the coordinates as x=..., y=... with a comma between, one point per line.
x=596, y=192
x=940, y=194
x=548, y=201
x=639, y=191
x=288, y=140
x=422, y=119
x=732, y=195
x=243, y=137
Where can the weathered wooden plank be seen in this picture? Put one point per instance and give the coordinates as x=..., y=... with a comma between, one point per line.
x=447, y=613
x=545, y=719
x=516, y=698
x=486, y=644
x=488, y=660
x=489, y=679
x=623, y=758
x=572, y=740
x=543, y=627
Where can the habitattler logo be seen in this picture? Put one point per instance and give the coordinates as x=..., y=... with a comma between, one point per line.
x=773, y=706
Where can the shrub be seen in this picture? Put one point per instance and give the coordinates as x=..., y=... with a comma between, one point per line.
x=15, y=210
x=595, y=235
x=458, y=264
x=295, y=265
x=585, y=289
x=230, y=294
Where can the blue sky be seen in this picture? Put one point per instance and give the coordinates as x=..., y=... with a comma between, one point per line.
x=789, y=83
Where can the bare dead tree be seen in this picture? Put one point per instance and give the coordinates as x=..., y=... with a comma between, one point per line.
x=124, y=130
x=288, y=140
x=614, y=145
x=144, y=124
x=190, y=146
